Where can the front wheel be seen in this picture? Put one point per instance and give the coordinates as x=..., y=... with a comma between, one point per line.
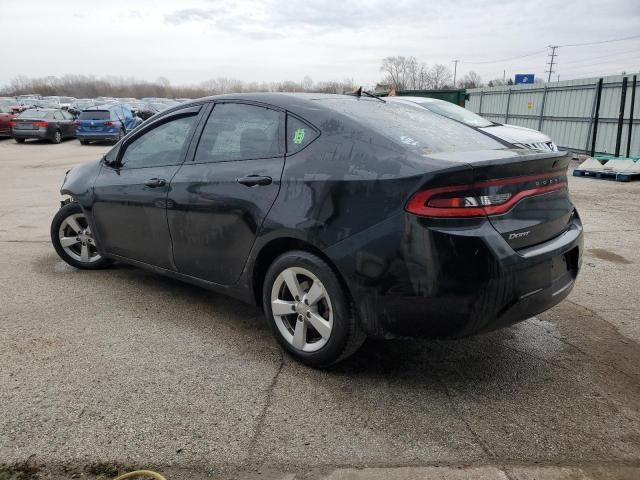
x=309, y=310
x=19, y=140
x=73, y=239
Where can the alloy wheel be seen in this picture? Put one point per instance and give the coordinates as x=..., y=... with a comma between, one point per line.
x=77, y=239
x=302, y=309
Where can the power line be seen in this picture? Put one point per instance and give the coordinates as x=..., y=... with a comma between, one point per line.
x=531, y=54
x=506, y=59
x=598, y=43
x=590, y=59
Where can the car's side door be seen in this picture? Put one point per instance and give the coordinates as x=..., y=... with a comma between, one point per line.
x=130, y=194
x=61, y=123
x=220, y=197
x=70, y=127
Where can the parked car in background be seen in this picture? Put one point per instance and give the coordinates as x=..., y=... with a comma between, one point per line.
x=28, y=96
x=6, y=116
x=52, y=100
x=10, y=103
x=513, y=134
x=386, y=220
x=102, y=123
x=65, y=102
x=51, y=124
x=79, y=105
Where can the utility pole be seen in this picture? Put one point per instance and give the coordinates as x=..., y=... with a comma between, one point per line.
x=455, y=70
x=553, y=56
x=504, y=76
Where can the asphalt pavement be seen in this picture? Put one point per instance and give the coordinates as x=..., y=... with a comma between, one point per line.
x=105, y=371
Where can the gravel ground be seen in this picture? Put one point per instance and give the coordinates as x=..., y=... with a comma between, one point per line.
x=103, y=371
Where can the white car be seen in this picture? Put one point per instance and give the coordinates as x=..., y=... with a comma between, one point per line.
x=519, y=136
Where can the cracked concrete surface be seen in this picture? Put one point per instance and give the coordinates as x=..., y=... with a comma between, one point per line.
x=108, y=370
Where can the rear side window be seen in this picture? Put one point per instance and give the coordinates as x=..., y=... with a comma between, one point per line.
x=95, y=115
x=236, y=131
x=58, y=116
x=299, y=134
x=413, y=126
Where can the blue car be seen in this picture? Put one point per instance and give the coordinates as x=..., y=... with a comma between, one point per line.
x=105, y=123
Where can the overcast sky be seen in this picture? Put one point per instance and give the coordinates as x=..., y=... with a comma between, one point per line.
x=192, y=41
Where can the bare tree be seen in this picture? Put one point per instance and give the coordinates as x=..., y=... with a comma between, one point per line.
x=395, y=70
x=471, y=80
x=439, y=76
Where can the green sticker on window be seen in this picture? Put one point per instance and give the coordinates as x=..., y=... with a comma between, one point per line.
x=298, y=137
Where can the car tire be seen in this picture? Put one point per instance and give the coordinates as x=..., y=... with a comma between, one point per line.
x=19, y=140
x=57, y=137
x=84, y=142
x=317, y=325
x=73, y=240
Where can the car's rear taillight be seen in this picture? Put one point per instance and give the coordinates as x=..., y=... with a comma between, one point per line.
x=483, y=198
x=12, y=123
x=41, y=124
x=108, y=124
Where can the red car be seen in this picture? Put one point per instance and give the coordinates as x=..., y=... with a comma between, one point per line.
x=6, y=115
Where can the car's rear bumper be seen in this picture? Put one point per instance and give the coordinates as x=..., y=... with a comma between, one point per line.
x=40, y=133
x=416, y=278
x=96, y=136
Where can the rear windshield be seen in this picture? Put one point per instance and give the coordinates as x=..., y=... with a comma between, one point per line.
x=33, y=114
x=455, y=112
x=412, y=126
x=95, y=115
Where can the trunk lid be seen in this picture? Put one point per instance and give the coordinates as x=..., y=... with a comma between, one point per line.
x=523, y=193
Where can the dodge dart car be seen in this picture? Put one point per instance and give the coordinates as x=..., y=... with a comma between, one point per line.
x=341, y=216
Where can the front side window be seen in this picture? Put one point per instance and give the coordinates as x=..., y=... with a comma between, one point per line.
x=161, y=146
x=236, y=131
x=58, y=116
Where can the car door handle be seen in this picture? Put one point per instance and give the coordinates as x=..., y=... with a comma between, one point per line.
x=253, y=180
x=155, y=182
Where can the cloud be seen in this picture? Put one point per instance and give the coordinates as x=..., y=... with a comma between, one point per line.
x=186, y=15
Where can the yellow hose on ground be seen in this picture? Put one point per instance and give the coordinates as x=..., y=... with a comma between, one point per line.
x=141, y=473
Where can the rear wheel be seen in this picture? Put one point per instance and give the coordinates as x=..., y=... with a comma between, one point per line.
x=73, y=239
x=309, y=310
x=19, y=140
x=57, y=137
x=84, y=142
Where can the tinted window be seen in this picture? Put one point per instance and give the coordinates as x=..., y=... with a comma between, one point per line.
x=412, y=126
x=94, y=115
x=448, y=109
x=299, y=134
x=161, y=146
x=237, y=131
x=33, y=114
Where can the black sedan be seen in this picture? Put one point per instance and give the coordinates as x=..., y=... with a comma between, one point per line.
x=342, y=217
x=51, y=124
